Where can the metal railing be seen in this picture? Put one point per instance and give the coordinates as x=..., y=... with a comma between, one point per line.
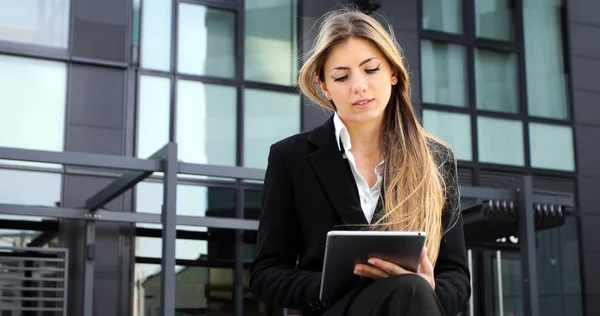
x=34, y=280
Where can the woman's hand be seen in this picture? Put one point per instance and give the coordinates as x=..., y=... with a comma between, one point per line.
x=379, y=269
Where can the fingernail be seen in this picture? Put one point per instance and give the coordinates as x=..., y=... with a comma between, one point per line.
x=371, y=261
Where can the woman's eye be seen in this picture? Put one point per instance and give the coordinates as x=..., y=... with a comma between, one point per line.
x=373, y=70
x=340, y=78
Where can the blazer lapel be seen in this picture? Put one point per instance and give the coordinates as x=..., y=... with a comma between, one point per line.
x=334, y=175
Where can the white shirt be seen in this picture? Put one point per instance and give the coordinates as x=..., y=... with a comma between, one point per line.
x=368, y=196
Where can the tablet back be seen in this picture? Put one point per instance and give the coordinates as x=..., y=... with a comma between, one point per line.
x=344, y=249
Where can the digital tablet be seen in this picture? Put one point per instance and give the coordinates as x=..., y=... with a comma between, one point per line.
x=344, y=249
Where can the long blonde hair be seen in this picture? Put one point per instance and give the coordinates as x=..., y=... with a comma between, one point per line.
x=414, y=189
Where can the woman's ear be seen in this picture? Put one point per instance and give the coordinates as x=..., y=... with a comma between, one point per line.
x=394, y=80
x=324, y=88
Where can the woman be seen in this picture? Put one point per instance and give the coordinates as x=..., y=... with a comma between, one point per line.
x=370, y=164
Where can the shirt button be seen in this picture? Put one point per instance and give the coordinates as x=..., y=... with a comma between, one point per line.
x=365, y=200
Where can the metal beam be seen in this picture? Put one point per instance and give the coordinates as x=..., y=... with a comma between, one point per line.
x=487, y=193
x=222, y=171
x=169, y=225
x=122, y=184
x=80, y=159
x=126, y=217
x=527, y=242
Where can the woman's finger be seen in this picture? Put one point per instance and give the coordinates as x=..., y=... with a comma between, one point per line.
x=425, y=266
x=370, y=272
x=390, y=268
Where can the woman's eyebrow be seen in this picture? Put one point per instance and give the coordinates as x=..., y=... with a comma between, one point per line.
x=362, y=63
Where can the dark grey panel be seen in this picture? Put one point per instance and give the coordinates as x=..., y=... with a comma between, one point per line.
x=587, y=106
x=588, y=151
x=584, y=39
x=79, y=188
x=100, y=29
x=592, y=305
x=402, y=15
x=95, y=140
x=414, y=74
x=584, y=11
x=106, y=293
x=409, y=43
x=589, y=194
x=554, y=184
x=590, y=234
x=97, y=96
x=313, y=115
x=71, y=236
x=586, y=73
x=496, y=179
x=592, y=274
x=465, y=177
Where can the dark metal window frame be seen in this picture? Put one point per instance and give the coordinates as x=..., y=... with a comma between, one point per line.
x=471, y=42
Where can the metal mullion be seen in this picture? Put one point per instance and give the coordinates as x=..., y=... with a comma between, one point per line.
x=498, y=114
x=270, y=87
x=191, y=263
x=209, y=79
x=33, y=51
x=497, y=45
x=445, y=108
x=438, y=36
x=214, y=4
x=522, y=80
x=153, y=72
x=89, y=269
x=527, y=242
x=469, y=30
x=552, y=121
x=173, y=71
x=99, y=62
x=240, y=48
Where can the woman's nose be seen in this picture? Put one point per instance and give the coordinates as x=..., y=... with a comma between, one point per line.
x=359, y=85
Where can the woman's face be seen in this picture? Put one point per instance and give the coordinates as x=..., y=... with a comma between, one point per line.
x=358, y=79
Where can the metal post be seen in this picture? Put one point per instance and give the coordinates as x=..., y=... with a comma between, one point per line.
x=169, y=226
x=88, y=280
x=238, y=271
x=528, y=249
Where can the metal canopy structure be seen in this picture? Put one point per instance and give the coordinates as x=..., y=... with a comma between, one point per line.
x=517, y=209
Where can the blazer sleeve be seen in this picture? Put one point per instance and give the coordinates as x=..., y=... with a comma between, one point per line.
x=274, y=278
x=451, y=273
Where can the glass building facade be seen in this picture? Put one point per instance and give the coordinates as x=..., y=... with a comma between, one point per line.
x=511, y=85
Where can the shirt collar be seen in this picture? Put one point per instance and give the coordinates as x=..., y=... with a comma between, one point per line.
x=341, y=133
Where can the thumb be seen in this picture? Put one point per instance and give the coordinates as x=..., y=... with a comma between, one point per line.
x=425, y=265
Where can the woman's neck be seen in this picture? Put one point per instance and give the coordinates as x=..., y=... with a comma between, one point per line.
x=365, y=137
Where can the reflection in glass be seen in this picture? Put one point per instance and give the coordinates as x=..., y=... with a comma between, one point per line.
x=44, y=23
x=443, y=15
x=206, y=123
x=268, y=118
x=206, y=41
x=34, y=117
x=453, y=128
x=156, y=35
x=270, y=41
x=199, y=291
x=546, y=81
x=496, y=81
x=444, y=73
x=17, y=187
x=153, y=114
x=500, y=141
x=551, y=146
x=494, y=19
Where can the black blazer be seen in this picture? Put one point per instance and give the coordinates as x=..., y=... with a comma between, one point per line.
x=308, y=191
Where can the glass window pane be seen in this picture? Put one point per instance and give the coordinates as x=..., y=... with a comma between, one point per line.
x=270, y=42
x=18, y=187
x=206, y=123
x=153, y=114
x=500, y=141
x=551, y=146
x=35, y=22
x=32, y=118
x=443, y=15
x=268, y=118
x=496, y=81
x=206, y=43
x=444, y=73
x=494, y=19
x=453, y=128
x=546, y=82
x=156, y=35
